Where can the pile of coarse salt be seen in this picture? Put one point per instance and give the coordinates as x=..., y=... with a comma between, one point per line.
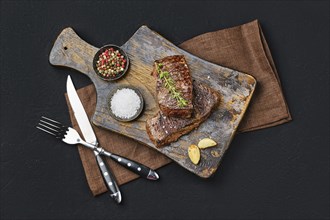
x=125, y=103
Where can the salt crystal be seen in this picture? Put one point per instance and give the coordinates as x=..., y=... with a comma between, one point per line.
x=125, y=103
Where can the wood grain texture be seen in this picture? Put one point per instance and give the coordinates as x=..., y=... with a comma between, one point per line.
x=143, y=48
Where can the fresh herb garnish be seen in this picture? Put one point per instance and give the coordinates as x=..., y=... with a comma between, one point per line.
x=170, y=85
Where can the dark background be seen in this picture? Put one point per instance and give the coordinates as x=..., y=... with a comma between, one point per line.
x=280, y=172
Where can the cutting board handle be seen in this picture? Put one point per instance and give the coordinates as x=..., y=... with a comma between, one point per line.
x=70, y=50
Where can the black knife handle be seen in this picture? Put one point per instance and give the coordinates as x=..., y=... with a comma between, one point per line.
x=109, y=179
x=134, y=166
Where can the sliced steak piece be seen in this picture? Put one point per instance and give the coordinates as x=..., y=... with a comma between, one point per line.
x=178, y=71
x=163, y=130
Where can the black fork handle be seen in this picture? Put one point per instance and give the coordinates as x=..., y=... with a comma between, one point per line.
x=109, y=178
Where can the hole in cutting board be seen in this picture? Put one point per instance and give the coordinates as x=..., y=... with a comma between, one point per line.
x=65, y=48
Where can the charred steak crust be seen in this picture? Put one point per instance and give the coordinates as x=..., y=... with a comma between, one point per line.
x=163, y=130
x=178, y=69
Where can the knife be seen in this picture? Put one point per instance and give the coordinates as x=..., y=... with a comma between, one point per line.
x=91, y=139
x=132, y=165
x=88, y=133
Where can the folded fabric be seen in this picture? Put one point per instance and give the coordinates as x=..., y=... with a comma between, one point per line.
x=242, y=48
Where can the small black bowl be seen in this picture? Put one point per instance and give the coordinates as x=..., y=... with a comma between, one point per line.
x=96, y=58
x=110, y=95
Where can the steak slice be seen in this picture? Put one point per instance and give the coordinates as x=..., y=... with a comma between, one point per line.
x=178, y=71
x=163, y=130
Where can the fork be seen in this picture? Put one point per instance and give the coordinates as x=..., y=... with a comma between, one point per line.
x=71, y=136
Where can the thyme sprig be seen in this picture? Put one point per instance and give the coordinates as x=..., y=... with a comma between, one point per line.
x=170, y=85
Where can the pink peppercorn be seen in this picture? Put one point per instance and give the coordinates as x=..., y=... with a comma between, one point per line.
x=111, y=63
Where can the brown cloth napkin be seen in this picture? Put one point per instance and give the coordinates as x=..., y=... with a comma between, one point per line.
x=242, y=48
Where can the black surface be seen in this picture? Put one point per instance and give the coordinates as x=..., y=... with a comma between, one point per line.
x=280, y=172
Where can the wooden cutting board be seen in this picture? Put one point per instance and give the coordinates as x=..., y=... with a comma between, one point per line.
x=145, y=46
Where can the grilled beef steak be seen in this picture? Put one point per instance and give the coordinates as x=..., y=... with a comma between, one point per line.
x=174, y=100
x=163, y=130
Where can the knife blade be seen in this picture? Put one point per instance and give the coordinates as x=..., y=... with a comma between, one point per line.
x=80, y=114
x=89, y=136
